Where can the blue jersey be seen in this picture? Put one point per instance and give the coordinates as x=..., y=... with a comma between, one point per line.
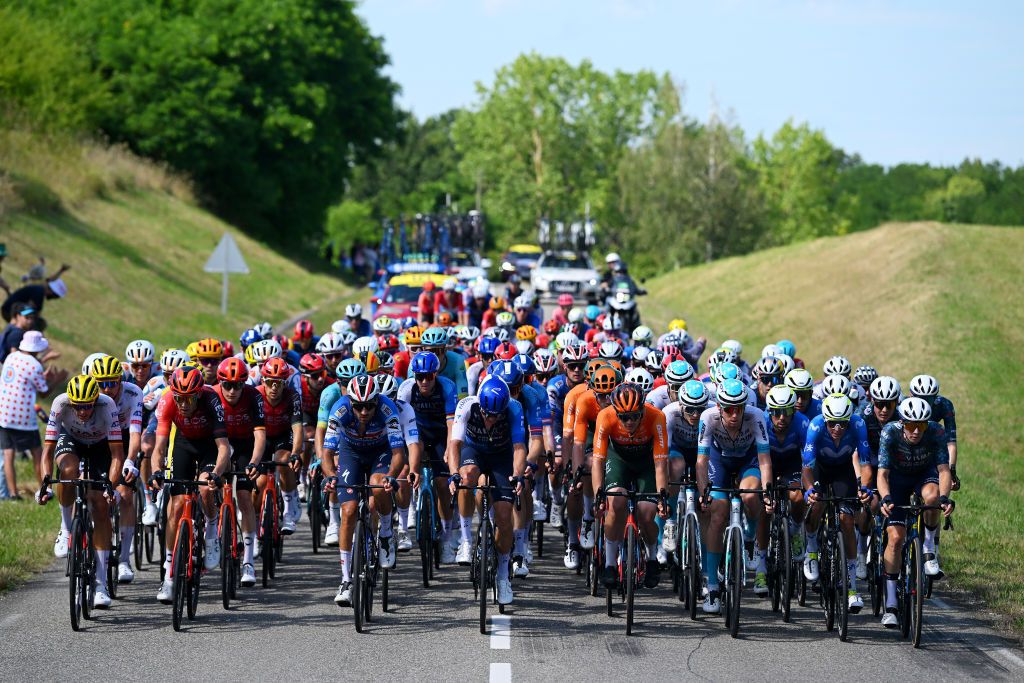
x=790, y=448
x=943, y=412
x=362, y=328
x=896, y=454
x=507, y=432
x=454, y=369
x=812, y=410
x=292, y=358
x=542, y=391
x=558, y=387
x=535, y=409
x=433, y=411
x=383, y=433
x=820, y=447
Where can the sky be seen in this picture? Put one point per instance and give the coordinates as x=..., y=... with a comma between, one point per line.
x=909, y=81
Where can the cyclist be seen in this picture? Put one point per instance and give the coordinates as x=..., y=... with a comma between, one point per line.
x=108, y=373
x=769, y=372
x=247, y=435
x=209, y=353
x=802, y=384
x=487, y=347
x=356, y=322
x=912, y=458
x=631, y=453
x=282, y=417
x=733, y=443
x=488, y=438
x=676, y=375
x=155, y=388
x=835, y=450
x=927, y=387
x=364, y=440
x=411, y=339
x=573, y=361
x=736, y=347
x=787, y=434
x=346, y=371
x=315, y=377
x=192, y=438
x=435, y=340
x=433, y=399
x=884, y=394
x=560, y=315
x=83, y=437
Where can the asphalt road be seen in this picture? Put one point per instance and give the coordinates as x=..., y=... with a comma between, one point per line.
x=554, y=630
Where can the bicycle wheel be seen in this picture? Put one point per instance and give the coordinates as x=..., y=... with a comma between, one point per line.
x=630, y=576
x=916, y=591
x=138, y=533
x=840, y=588
x=195, y=569
x=358, y=574
x=483, y=557
x=596, y=563
x=826, y=596
x=875, y=576
x=226, y=555
x=372, y=564
x=179, y=565
x=114, y=559
x=161, y=532
x=785, y=569
x=425, y=537
x=384, y=592
x=315, y=513
x=735, y=579
x=75, y=587
x=88, y=585
x=691, y=577
x=539, y=529
x=774, y=565
x=266, y=539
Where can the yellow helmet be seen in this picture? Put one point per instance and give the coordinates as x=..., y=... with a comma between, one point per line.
x=106, y=369
x=677, y=324
x=209, y=348
x=192, y=350
x=83, y=389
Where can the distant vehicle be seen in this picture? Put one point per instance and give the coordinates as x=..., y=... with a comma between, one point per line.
x=401, y=294
x=521, y=259
x=467, y=265
x=565, y=272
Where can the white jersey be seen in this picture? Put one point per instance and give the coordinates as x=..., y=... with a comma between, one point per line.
x=473, y=376
x=102, y=424
x=407, y=418
x=715, y=437
x=658, y=397
x=681, y=434
x=129, y=408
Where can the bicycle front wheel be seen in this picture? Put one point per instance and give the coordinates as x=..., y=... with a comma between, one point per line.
x=226, y=555
x=196, y=563
x=76, y=592
x=315, y=513
x=691, y=577
x=631, y=571
x=916, y=591
x=827, y=577
x=138, y=533
x=359, y=574
x=267, y=539
x=785, y=569
x=425, y=532
x=483, y=572
x=179, y=565
x=840, y=585
x=735, y=579
x=114, y=558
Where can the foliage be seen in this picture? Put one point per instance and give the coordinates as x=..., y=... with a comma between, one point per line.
x=349, y=222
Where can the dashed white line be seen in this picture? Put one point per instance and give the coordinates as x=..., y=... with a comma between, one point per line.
x=501, y=632
x=501, y=673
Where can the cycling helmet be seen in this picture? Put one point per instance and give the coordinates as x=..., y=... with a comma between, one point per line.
x=488, y=346
x=770, y=350
x=655, y=362
x=524, y=346
x=386, y=361
x=724, y=356
x=526, y=332
x=641, y=378
x=769, y=366
x=835, y=384
x=232, y=370
x=501, y=333
x=407, y=322
x=799, y=380
x=106, y=369
x=565, y=300
x=276, y=368
x=264, y=329
x=340, y=326
x=733, y=346
x=493, y=395
x=444, y=319
x=574, y=353
x=250, y=356
x=604, y=380
x=628, y=398
x=573, y=328
x=388, y=343
x=565, y=339
x=434, y=338
x=885, y=388
x=780, y=396
x=249, y=337
x=677, y=324
x=639, y=354
x=382, y=324
x=724, y=371
x=678, y=372
x=330, y=343
x=348, y=338
x=694, y=394
x=551, y=327
x=172, y=359
x=140, y=351
x=504, y=319
x=303, y=330
x=787, y=347
x=364, y=345
x=370, y=361
x=504, y=351
x=497, y=303
x=865, y=375
x=610, y=350
x=424, y=363
x=209, y=348
x=413, y=336
x=507, y=371
x=915, y=409
x=643, y=336
x=363, y=389
x=186, y=381
x=732, y=392
x=349, y=368
x=787, y=362
x=611, y=323
x=838, y=365
x=924, y=386
x=837, y=408
x=87, y=363
x=265, y=349
x=545, y=361
x=353, y=311
x=461, y=332
x=525, y=363
x=575, y=315
x=83, y=389
x=312, y=364
x=387, y=386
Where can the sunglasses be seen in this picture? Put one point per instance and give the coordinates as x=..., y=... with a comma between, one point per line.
x=333, y=356
x=209, y=362
x=769, y=380
x=575, y=367
x=109, y=383
x=631, y=417
x=425, y=376
x=836, y=424
x=273, y=383
x=915, y=426
x=885, y=405
x=232, y=386
x=364, y=407
x=694, y=411
x=780, y=412
x=140, y=367
x=732, y=410
x=184, y=399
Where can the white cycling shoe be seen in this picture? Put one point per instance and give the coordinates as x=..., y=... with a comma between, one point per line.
x=572, y=557
x=60, y=545
x=404, y=542
x=447, y=554
x=465, y=554
x=854, y=602
x=504, y=591
x=862, y=566
x=101, y=599
x=587, y=535
x=344, y=596
x=248, y=579
x=889, y=619
x=556, y=515
x=520, y=569
x=212, y=553
x=166, y=593
x=931, y=566
x=387, y=552
x=288, y=526
x=811, y=567
x=331, y=537
x=540, y=514
x=149, y=515
x=712, y=603
x=125, y=573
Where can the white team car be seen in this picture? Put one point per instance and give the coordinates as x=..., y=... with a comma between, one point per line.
x=565, y=272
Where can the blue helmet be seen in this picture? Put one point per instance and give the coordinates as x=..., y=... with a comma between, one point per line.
x=349, y=368
x=787, y=347
x=489, y=345
x=507, y=370
x=694, y=394
x=591, y=312
x=249, y=337
x=493, y=395
x=408, y=322
x=724, y=371
x=732, y=392
x=425, y=362
x=525, y=364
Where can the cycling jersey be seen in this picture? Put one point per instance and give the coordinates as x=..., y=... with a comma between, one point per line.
x=659, y=397
x=787, y=454
x=648, y=441
x=361, y=327
x=402, y=361
x=381, y=434
x=473, y=377
x=311, y=399
x=874, y=428
x=246, y=416
x=507, y=432
x=682, y=436
x=206, y=422
x=713, y=437
x=152, y=392
x=103, y=425
x=812, y=410
x=821, y=447
x=328, y=398
x=557, y=388
x=279, y=419
x=897, y=454
x=587, y=410
x=943, y=412
x=129, y=408
x=569, y=409
x=433, y=411
x=535, y=409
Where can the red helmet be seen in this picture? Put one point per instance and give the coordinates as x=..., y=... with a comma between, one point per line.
x=276, y=368
x=229, y=348
x=429, y=286
x=551, y=327
x=542, y=341
x=312, y=364
x=505, y=351
x=303, y=330
x=232, y=370
x=283, y=341
x=186, y=381
x=388, y=342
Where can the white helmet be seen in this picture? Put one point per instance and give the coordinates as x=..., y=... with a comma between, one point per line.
x=611, y=322
x=924, y=386
x=504, y=319
x=610, y=350
x=799, y=380
x=501, y=333
x=265, y=329
x=87, y=365
x=382, y=324
x=140, y=351
x=340, y=326
x=353, y=311
x=835, y=384
x=787, y=362
x=780, y=396
x=734, y=346
x=915, y=409
x=524, y=347
x=347, y=338
x=449, y=285
x=265, y=349
x=522, y=302
x=365, y=344
x=612, y=257
x=330, y=343
x=643, y=335
x=836, y=408
x=575, y=315
x=770, y=350
x=480, y=291
x=885, y=388
x=838, y=365
x=640, y=353
x=564, y=339
x=172, y=359
x=387, y=385
x=640, y=377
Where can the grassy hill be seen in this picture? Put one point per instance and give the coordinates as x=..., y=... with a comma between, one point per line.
x=907, y=299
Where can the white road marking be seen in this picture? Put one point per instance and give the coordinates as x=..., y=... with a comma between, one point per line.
x=10, y=619
x=940, y=603
x=1006, y=652
x=501, y=632
x=501, y=673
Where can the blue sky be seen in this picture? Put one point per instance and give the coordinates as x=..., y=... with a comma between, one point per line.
x=895, y=81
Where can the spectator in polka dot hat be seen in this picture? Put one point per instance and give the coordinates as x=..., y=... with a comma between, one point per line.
x=21, y=378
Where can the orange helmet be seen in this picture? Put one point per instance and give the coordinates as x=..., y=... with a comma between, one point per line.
x=370, y=360
x=186, y=381
x=526, y=333
x=412, y=335
x=209, y=348
x=604, y=380
x=497, y=303
x=276, y=368
x=232, y=370
x=552, y=327
x=444, y=319
x=628, y=398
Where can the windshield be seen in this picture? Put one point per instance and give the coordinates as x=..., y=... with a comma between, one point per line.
x=461, y=260
x=522, y=256
x=564, y=261
x=402, y=294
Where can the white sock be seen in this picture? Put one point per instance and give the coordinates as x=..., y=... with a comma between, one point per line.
x=288, y=504
x=611, y=553
x=929, y=540
x=248, y=544
x=812, y=542
x=335, y=513
x=66, y=513
x=346, y=564
x=466, y=525
x=385, y=525
x=588, y=508
x=762, y=563
x=168, y=556
x=102, y=558
x=211, y=529
x=127, y=536
x=890, y=593
x=403, y=519
x=520, y=539
x=851, y=574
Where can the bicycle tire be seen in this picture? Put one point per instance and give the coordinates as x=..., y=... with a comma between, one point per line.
x=267, y=540
x=840, y=586
x=773, y=564
x=425, y=532
x=786, y=569
x=917, y=592
x=179, y=558
x=149, y=544
x=630, y=576
x=484, y=560
x=539, y=528
x=384, y=591
x=161, y=532
x=372, y=564
x=75, y=592
x=596, y=563
x=735, y=578
x=226, y=553
x=826, y=575
x=314, y=513
x=88, y=568
x=196, y=567
x=358, y=578
x=138, y=532
x=692, y=576
x=875, y=576
x=114, y=559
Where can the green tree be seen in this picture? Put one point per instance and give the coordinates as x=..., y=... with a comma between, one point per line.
x=957, y=202
x=347, y=223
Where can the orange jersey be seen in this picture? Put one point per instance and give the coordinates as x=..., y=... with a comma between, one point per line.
x=650, y=439
x=587, y=410
x=569, y=409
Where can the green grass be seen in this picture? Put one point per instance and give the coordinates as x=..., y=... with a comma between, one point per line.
x=26, y=544
x=906, y=298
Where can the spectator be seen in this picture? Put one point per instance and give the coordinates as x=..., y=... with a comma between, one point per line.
x=21, y=378
x=37, y=273
x=23, y=319
x=425, y=304
x=35, y=295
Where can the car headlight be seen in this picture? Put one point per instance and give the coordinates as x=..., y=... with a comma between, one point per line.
x=593, y=281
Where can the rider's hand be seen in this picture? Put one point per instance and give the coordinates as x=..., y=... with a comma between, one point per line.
x=390, y=484
x=811, y=495
x=769, y=504
x=414, y=478
x=129, y=471
x=956, y=479
x=295, y=462
x=865, y=494
x=44, y=494
x=213, y=480
x=156, y=482
x=947, y=505
x=453, y=482
x=330, y=484
x=517, y=484
x=252, y=471
x=887, y=505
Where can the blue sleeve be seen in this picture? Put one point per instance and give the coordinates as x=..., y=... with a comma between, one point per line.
x=941, y=452
x=863, y=447
x=949, y=420
x=327, y=401
x=451, y=396
x=814, y=430
x=515, y=416
x=461, y=383
x=335, y=425
x=886, y=446
x=392, y=423
x=534, y=406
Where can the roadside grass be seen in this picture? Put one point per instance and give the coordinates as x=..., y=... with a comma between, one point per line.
x=906, y=298
x=27, y=531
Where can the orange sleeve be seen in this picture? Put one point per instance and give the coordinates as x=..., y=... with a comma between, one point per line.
x=586, y=412
x=659, y=433
x=569, y=410
x=606, y=421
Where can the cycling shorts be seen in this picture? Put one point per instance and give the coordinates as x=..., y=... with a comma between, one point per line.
x=241, y=455
x=93, y=458
x=842, y=478
x=626, y=473
x=276, y=444
x=309, y=419
x=433, y=456
x=723, y=471
x=901, y=486
x=496, y=464
x=355, y=468
x=689, y=454
x=186, y=458
x=791, y=467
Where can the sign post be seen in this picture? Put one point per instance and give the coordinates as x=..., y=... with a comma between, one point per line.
x=226, y=258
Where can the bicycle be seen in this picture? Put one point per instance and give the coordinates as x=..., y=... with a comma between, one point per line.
x=161, y=497
x=115, y=544
x=230, y=558
x=687, y=556
x=317, y=505
x=875, y=564
x=910, y=589
x=269, y=537
x=779, y=558
x=366, y=569
x=834, y=580
x=483, y=569
x=633, y=550
x=81, y=563
x=141, y=530
x=543, y=487
x=189, y=549
x=735, y=566
x=569, y=484
x=428, y=527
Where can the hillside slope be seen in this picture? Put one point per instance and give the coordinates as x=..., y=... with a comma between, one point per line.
x=907, y=299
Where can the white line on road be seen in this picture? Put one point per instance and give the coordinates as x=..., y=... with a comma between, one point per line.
x=10, y=619
x=1006, y=652
x=941, y=604
x=501, y=672
x=501, y=632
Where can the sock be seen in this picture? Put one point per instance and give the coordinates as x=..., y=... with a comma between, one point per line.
x=335, y=513
x=611, y=553
x=556, y=495
x=761, y=555
x=149, y=503
x=346, y=564
x=711, y=569
x=749, y=529
x=167, y=565
x=520, y=537
x=890, y=591
x=812, y=542
x=929, y=539
x=588, y=508
x=287, y=505
x=403, y=519
x=211, y=529
x=248, y=543
x=385, y=524
x=851, y=574
x=466, y=525
x=661, y=527
x=102, y=557
x=862, y=543
x=652, y=551
x=127, y=536
x=574, y=531
x=502, y=566
x=66, y=513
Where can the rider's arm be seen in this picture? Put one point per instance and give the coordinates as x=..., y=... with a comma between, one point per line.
x=117, y=460
x=223, y=455
x=600, y=454
x=660, y=436
x=764, y=455
x=941, y=456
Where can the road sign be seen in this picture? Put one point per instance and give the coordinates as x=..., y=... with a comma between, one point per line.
x=226, y=258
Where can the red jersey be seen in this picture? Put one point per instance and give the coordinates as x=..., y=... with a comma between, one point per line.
x=658, y=382
x=246, y=416
x=311, y=398
x=207, y=422
x=448, y=301
x=280, y=418
x=425, y=304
